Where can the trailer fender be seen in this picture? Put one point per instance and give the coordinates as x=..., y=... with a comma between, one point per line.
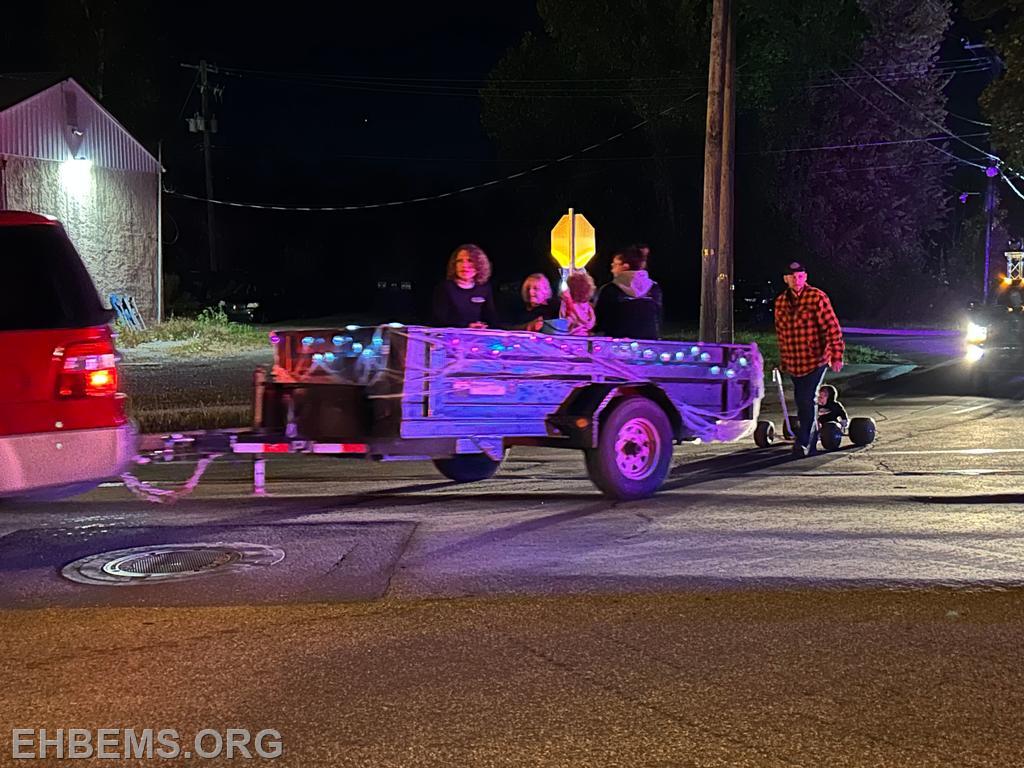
x=579, y=416
x=494, y=448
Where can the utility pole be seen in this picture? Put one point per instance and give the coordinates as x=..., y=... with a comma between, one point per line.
x=204, y=89
x=711, y=226
x=724, y=277
x=990, y=204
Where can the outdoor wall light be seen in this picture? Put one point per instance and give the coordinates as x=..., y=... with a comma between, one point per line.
x=76, y=177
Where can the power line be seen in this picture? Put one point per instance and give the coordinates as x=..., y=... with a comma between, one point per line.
x=668, y=85
x=621, y=158
x=989, y=155
x=893, y=120
x=701, y=76
x=928, y=118
x=427, y=198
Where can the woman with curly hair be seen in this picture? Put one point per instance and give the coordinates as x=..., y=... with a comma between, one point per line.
x=464, y=299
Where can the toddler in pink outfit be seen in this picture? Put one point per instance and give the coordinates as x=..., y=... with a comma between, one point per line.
x=576, y=306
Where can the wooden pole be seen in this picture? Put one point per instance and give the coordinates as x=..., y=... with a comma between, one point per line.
x=712, y=176
x=724, y=277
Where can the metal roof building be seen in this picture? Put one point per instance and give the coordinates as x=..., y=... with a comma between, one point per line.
x=63, y=154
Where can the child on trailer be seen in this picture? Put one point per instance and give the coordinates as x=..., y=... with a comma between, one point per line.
x=829, y=407
x=576, y=307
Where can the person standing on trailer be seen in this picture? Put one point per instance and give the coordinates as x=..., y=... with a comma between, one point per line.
x=810, y=342
x=464, y=299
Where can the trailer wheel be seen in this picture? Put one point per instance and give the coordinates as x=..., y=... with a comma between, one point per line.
x=467, y=467
x=634, y=450
x=831, y=436
x=764, y=434
x=862, y=430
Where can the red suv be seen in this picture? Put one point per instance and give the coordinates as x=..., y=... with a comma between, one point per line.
x=63, y=427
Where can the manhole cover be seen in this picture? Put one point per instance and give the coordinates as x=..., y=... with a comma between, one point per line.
x=149, y=565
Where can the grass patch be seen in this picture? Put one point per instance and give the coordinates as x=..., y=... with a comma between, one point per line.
x=767, y=342
x=193, y=418
x=180, y=410
x=211, y=333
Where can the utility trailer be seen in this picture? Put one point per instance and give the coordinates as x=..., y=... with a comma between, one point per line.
x=462, y=398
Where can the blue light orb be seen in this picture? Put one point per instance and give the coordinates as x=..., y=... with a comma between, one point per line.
x=744, y=362
x=338, y=341
x=730, y=373
x=329, y=357
x=715, y=370
x=704, y=356
x=648, y=354
x=368, y=352
x=307, y=341
x=680, y=355
x=634, y=346
x=357, y=347
x=665, y=357
x=317, y=358
x=694, y=350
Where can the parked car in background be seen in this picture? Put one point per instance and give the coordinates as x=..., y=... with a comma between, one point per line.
x=63, y=427
x=754, y=303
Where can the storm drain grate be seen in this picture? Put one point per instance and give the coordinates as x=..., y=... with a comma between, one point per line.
x=148, y=565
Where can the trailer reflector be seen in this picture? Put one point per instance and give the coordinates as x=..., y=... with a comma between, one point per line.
x=340, y=448
x=262, y=447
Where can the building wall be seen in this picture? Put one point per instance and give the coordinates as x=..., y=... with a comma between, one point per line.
x=110, y=215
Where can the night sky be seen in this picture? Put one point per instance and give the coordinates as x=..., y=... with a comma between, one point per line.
x=297, y=126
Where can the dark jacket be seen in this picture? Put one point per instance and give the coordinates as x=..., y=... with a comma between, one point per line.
x=456, y=307
x=629, y=306
x=524, y=316
x=832, y=411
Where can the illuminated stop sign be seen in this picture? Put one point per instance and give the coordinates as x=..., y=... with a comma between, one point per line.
x=573, y=242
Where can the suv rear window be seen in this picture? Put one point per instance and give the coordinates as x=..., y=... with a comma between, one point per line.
x=43, y=282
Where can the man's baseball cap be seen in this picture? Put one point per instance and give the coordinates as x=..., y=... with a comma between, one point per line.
x=794, y=266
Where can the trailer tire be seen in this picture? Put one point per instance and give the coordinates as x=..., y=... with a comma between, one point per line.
x=862, y=430
x=467, y=467
x=764, y=434
x=634, y=450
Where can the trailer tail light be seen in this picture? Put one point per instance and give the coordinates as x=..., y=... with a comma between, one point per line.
x=89, y=370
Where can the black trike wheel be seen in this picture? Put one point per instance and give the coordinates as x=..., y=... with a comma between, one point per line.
x=764, y=434
x=467, y=467
x=862, y=430
x=831, y=436
x=634, y=449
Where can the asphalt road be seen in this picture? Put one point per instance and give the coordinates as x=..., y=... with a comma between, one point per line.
x=856, y=608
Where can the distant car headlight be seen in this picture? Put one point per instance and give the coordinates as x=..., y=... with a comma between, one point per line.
x=974, y=353
x=976, y=334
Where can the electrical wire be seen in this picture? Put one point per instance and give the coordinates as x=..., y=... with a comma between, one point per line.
x=901, y=125
x=989, y=155
x=428, y=198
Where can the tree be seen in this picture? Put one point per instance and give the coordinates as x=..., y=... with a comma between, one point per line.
x=111, y=47
x=1003, y=99
x=598, y=69
x=870, y=212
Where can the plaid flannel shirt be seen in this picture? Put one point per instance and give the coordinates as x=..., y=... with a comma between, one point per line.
x=808, y=331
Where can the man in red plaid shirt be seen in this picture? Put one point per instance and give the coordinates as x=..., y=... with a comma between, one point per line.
x=810, y=342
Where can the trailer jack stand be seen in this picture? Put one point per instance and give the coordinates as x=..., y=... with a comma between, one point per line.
x=259, y=477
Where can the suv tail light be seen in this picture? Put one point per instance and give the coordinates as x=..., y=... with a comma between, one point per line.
x=89, y=370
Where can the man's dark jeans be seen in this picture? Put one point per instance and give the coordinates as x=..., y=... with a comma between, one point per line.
x=805, y=392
